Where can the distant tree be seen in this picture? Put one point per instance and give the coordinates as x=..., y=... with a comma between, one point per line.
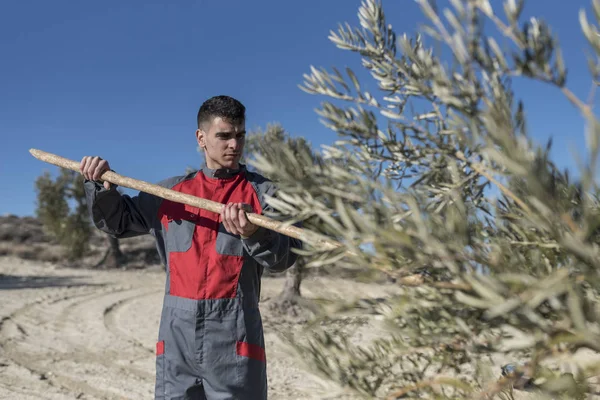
x=62, y=209
x=114, y=256
x=274, y=144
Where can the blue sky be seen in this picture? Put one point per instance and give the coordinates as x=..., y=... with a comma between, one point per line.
x=124, y=80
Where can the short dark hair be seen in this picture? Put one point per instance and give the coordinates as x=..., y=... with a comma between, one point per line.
x=225, y=107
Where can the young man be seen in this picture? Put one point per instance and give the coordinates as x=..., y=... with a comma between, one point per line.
x=210, y=342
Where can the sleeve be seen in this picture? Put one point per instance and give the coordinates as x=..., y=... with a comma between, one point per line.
x=271, y=249
x=120, y=215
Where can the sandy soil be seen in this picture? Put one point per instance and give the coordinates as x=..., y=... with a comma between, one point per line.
x=89, y=334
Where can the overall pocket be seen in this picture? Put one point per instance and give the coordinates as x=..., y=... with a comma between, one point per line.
x=179, y=235
x=228, y=244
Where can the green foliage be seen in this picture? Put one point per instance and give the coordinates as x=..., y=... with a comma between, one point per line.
x=481, y=277
x=62, y=209
x=292, y=155
x=275, y=144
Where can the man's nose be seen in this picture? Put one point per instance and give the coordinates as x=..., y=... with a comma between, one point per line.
x=233, y=143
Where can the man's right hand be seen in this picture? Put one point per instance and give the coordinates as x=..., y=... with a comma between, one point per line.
x=92, y=169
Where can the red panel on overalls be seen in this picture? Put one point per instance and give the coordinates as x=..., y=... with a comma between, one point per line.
x=200, y=272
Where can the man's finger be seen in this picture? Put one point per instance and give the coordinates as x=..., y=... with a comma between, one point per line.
x=82, y=164
x=241, y=216
x=89, y=168
x=242, y=219
x=227, y=219
x=233, y=217
x=92, y=167
x=100, y=169
x=224, y=218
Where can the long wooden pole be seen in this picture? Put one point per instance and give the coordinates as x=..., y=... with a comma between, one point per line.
x=178, y=197
x=257, y=219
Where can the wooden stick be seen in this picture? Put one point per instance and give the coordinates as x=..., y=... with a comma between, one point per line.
x=178, y=197
x=257, y=219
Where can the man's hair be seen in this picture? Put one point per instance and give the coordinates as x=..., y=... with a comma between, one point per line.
x=225, y=107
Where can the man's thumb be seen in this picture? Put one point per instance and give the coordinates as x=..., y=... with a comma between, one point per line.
x=106, y=185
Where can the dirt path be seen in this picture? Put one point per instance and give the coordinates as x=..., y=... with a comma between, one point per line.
x=81, y=334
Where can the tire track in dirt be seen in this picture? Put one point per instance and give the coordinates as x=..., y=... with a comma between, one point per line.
x=12, y=319
x=84, y=350
x=9, y=341
x=113, y=316
x=115, y=356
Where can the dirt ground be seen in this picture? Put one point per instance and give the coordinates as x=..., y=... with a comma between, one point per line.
x=90, y=334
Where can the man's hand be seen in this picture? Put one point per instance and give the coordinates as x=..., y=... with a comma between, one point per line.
x=92, y=169
x=235, y=220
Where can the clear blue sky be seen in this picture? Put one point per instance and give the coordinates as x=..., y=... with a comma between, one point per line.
x=124, y=79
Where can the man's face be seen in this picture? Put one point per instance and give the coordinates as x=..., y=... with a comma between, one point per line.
x=223, y=143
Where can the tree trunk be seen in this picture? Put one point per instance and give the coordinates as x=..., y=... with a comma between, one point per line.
x=290, y=301
x=293, y=279
x=114, y=257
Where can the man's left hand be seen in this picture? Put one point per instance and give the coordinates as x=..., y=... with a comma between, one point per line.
x=235, y=220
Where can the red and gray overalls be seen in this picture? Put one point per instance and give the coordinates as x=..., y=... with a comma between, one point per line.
x=210, y=340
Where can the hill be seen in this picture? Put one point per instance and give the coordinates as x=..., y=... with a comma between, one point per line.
x=24, y=237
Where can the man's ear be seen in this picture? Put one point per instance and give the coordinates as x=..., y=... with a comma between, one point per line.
x=200, y=138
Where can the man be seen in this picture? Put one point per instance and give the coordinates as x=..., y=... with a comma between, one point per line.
x=210, y=342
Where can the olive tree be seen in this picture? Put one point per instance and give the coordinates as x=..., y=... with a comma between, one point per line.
x=274, y=144
x=61, y=207
x=436, y=182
